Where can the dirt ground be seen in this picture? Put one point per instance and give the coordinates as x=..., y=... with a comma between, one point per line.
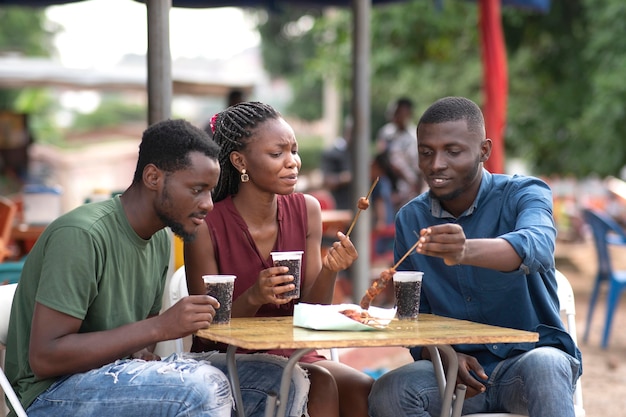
x=604, y=371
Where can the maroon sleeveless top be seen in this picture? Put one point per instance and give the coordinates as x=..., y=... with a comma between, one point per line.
x=237, y=254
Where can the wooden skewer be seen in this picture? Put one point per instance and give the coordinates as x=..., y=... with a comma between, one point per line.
x=358, y=213
x=405, y=255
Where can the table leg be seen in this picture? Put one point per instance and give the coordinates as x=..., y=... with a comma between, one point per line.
x=285, y=382
x=447, y=379
x=233, y=377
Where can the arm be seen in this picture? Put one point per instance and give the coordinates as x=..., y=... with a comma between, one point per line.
x=321, y=274
x=528, y=243
x=200, y=260
x=447, y=241
x=199, y=256
x=57, y=348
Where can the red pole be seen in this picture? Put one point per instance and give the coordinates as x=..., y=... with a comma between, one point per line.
x=495, y=80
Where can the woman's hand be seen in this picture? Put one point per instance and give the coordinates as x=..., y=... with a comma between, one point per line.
x=270, y=286
x=341, y=255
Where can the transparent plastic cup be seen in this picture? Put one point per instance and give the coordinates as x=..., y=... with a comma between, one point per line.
x=408, y=286
x=221, y=287
x=293, y=261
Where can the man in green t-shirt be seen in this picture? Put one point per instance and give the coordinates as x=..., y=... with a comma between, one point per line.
x=85, y=316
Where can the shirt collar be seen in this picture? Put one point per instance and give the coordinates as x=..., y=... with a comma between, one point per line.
x=439, y=212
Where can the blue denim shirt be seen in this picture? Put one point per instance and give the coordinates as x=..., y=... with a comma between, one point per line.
x=519, y=210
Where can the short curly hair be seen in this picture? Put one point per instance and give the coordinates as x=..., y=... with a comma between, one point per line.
x=167, y=145
x=451, y=109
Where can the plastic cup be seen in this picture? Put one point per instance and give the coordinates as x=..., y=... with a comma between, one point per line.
x=293, y=261
x=221, y=287
x=407, y=285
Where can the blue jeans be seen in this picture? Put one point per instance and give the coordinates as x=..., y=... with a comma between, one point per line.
x=188, y=385
x=538, y=383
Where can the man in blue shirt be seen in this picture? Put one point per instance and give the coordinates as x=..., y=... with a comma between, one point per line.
x=487, y=252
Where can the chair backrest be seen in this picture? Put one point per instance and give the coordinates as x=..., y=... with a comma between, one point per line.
x=8, y=210
x=568, y=308
x=605, y=230
x=6, y=300
x=176, y=289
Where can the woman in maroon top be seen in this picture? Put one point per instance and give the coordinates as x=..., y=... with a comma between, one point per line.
x=257, y=212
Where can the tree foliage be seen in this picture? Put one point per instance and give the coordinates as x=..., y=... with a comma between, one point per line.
x=25, y=31
x=566, y=68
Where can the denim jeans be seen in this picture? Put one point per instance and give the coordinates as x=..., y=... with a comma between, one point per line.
x=188, y=385
x=538, y=383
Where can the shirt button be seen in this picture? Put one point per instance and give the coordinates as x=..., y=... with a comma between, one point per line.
x=469, y=299
x=495, y=347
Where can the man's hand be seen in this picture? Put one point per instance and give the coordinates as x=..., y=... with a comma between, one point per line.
x=446, y=241
x=466, y=364
x=187, y=316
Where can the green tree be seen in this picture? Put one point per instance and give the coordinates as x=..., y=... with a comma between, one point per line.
x=112, y=111
x=566, y=69
x=26, y=31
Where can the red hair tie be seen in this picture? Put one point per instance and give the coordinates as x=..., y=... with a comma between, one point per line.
x=212, y=123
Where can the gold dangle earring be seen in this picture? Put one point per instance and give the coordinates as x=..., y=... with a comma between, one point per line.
x=244, y=176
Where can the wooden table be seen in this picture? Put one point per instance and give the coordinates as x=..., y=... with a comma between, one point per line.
x=333, y=220
x=432, y=332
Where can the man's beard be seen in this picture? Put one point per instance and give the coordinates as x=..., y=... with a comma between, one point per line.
x=177, y=228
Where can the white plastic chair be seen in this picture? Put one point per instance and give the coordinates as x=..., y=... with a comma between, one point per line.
x=6, y=300
x=174, y=291
x=568, y=309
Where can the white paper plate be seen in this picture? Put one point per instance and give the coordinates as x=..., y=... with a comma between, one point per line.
x=328, y=317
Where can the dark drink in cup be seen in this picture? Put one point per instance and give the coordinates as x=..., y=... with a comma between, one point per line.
x=221, y=288
x=293, y=261
x=408, y=286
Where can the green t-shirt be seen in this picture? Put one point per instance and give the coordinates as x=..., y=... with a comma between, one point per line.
x=89, y=264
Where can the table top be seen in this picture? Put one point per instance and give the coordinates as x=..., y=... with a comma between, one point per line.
x=337, y=215
x=280, y=333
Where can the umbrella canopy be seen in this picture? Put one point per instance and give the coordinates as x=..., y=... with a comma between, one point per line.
x=542, y=5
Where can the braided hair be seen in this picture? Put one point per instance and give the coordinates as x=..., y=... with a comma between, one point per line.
x=232, y=129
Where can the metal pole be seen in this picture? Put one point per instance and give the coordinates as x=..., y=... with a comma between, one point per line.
x=159, y=61
x=361, y=139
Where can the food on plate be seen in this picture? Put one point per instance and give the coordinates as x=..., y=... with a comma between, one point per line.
x=361, y=316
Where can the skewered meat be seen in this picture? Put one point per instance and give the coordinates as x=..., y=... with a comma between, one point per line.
x=377, y=287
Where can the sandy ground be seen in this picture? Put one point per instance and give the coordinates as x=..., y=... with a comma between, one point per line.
x=604, y=377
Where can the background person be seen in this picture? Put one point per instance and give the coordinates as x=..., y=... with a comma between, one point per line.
x=85, y=316
x=396, y=141
x=487, y=252
x=336, y=166
x=257, y=212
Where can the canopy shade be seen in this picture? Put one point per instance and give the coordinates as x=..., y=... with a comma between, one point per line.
x=542, y=5
x=19, y=72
